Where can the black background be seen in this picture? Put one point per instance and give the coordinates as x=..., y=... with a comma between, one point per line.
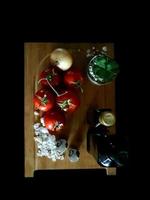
x=124, y=51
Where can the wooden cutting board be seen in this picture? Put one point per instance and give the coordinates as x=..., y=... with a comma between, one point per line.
x=76, y=130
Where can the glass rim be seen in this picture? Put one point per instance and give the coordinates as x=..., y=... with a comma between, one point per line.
x=95, y=82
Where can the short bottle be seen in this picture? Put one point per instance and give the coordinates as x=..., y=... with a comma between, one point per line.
x=97, y=117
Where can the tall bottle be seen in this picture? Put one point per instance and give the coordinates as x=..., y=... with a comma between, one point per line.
x=104, y=148
x=99, y=142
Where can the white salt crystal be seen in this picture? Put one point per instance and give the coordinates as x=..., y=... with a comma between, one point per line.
x=61, y=157
x=37, y=133
x=53, y=138
x=36, y=113
x=44, y=130
x=47, y=144
x=38, y=129
x=104, y=48
x=61, y=146
x=42, y=121
x=53, y=159
x=39, y=154
x=88, y=50
x=37, y=139
x=36, y=125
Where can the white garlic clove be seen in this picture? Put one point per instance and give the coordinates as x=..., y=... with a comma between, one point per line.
x=73, y=155
x=36, y=113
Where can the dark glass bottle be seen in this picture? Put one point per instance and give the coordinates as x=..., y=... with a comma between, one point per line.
x=102, y=147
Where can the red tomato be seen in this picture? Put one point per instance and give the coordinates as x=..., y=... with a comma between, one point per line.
x=43, y=100
x=54, y=120
x=68, y=101
x=73, y=78
x=50, y=75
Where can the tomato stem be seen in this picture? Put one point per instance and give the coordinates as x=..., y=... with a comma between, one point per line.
x=40, y=98
x=78, y=85
x=65, y=104
x=81, y=89
x=43, y=100
x=57, y=125
x=49, y=85
x=53, y=88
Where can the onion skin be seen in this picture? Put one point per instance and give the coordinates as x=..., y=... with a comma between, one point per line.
x=61, y=58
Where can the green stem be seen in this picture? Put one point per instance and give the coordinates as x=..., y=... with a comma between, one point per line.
x=49, y=85
x=64, y=104
x=78, y=85
x=41, y=99
x=81, y=89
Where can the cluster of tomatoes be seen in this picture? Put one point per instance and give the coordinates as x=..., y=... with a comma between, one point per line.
x=57, y=96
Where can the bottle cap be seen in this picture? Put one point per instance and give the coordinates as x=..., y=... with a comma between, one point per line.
x=107, y=118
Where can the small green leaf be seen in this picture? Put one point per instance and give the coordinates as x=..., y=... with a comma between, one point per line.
x=45, y=100
x=65, y=104
x=49, y=77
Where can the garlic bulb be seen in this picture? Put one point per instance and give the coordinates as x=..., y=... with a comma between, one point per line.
x=61, y=58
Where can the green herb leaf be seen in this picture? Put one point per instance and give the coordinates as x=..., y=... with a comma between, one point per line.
x=49, y=77
x=45, y=100
x=64, y=104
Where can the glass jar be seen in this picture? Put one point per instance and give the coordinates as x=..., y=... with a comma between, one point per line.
x=102, y=69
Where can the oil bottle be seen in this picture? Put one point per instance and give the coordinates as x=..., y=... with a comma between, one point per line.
x=99, y=140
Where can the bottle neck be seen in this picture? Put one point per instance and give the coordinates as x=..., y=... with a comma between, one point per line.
x=106, y=118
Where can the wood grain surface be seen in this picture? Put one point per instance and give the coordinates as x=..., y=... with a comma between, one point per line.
x=76, y=130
